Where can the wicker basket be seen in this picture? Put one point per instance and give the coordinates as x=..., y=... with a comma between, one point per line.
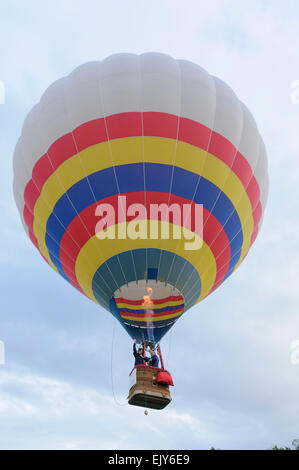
x=145, y=391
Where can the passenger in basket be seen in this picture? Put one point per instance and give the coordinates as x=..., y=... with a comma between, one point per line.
x=154, y=359
x=138, y=354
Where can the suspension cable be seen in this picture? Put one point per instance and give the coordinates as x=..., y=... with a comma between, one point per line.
x=111, y=367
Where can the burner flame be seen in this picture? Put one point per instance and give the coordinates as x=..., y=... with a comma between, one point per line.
x=149, y=312
x=147, y=301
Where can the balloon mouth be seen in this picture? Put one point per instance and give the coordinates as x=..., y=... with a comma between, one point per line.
x=149, y=304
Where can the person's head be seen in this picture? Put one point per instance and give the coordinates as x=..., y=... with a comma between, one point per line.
x=140, y=351
x=152, y=352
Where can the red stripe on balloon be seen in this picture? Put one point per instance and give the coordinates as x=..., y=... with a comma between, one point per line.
x=124, y=125
x=194, y=133
x=160, y=125
x=253, y=192
x=90, y=133
x=28, y=217
x=31, y=194
x=61, y=150
x=254, y=235
x=121, y=300
x=257, y=214
x=242, y=168
x=42, y=171
x=33, y=238
x=222, y=149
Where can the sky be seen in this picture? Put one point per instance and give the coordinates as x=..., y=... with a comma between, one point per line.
x=65, y=378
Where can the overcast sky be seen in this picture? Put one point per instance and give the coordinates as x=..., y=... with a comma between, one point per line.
x=230, y=356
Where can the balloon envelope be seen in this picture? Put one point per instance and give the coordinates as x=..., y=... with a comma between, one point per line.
x=117, y=137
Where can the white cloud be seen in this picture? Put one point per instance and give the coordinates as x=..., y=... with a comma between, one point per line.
x=78, y=411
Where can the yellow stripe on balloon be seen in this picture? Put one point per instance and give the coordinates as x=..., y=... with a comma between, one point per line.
x=85, y=270
x=41, y=241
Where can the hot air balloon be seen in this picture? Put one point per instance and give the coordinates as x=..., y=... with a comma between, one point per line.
x=110, y=141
